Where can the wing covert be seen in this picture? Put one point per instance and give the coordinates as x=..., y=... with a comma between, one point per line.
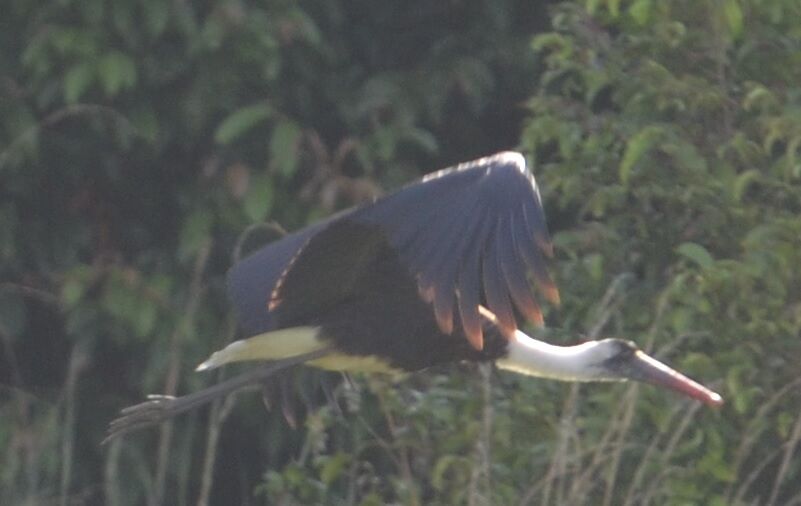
x=251, y=280
x=471, y=233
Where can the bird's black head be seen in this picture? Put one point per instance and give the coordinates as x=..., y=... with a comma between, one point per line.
x=615, y=354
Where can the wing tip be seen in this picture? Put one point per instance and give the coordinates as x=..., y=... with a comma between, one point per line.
x=547, y=248
x=426, y=292
x=534, y=315
x=475, y=337
x=471, y=325
x=507, y=325
x=552, y=293
x=444, y=322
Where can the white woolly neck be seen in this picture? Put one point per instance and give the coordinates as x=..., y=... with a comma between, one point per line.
x=532, y=357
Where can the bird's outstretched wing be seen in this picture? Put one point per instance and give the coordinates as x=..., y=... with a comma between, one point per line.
x=252, y=280
x=470, y=234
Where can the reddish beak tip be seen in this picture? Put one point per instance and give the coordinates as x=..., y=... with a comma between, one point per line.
x=714, y=400
x=652, y=371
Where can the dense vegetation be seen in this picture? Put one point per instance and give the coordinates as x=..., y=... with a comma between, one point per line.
x=145, y=145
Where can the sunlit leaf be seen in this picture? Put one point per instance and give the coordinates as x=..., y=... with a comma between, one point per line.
x=640, y=11
x=734, y=17
x=636, y=147
x=334, y=467
x=759, y=97
x=743, y=182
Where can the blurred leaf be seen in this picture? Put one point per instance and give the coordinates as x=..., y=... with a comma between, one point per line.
x=743, y=399
x=759, y=98
x=423, y=139
x=640, y=11
x=116, y=72
x=784, y=423
x=146, y=315
x=157, y=14
x=334, y=467
x=305, y=26
x=76, y=282
x=213, y=31
x=734, y=17
x=77, y=81
x=614, y=7
x=743, y=182
x=636, y=147
x=146, y=123
x=441, y=469
x=284, y=145
x=696, y=253
x=195, y=232
x=594, y=265
x=259, y=198
x=72, y=291
x=123, y=16
x=241, y=121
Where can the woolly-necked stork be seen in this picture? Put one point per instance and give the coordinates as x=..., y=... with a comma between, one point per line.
x=427, y=275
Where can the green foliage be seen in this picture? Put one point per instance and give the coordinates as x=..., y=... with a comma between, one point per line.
x=145, y=145
x=240, y=121
x=675, y=169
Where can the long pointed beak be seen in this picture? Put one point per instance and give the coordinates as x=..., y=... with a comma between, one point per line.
x=649, y=370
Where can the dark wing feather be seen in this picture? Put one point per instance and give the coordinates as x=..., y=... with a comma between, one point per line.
x=425, y=222
x=496, y=292
x=333, y=266
x=252, y=280
x=515, y=275
x=469, y=287
x=528, y=250
x=468, y=234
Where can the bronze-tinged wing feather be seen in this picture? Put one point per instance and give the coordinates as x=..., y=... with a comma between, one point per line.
x=469, y=288
x=329, y=268
x=528, y=250
x=495, y=289
x=426, y=223
x=252, y=281
x=469, y=235
x=514, y=273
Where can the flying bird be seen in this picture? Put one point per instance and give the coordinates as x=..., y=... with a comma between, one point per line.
x=439, y=271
